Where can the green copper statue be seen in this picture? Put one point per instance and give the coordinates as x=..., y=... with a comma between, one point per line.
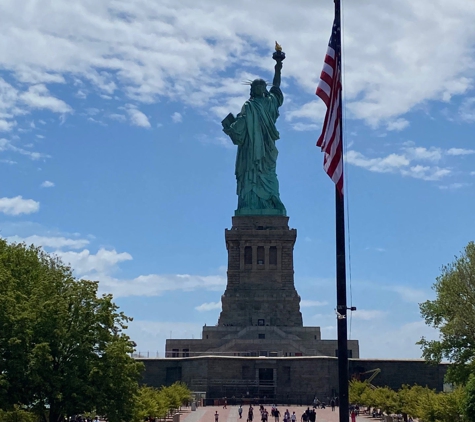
x=253, y=131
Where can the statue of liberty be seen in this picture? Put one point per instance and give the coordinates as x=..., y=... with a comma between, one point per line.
x=253, y=131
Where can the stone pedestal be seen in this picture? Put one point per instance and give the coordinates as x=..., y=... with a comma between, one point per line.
x=260, y=289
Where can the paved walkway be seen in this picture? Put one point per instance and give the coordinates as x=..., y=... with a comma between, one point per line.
x=206, y=414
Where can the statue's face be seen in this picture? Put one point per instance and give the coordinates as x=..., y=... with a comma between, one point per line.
x=258, y=88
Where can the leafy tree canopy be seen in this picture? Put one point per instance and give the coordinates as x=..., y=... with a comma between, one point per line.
x=62, y=348
x=453, y=314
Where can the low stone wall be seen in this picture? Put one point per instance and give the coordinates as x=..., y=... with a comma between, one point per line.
x=286, y=380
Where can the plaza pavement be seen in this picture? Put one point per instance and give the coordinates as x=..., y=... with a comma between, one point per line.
x=206, y=414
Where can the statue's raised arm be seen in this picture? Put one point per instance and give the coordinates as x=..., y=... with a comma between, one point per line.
x=253, y=131
x=278, y=56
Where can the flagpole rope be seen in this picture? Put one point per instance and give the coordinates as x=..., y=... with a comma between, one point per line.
x=345, y=166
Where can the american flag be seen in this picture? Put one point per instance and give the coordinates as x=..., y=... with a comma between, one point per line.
x=329, y=90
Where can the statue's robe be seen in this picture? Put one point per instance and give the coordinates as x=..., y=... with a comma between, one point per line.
x=254, y=133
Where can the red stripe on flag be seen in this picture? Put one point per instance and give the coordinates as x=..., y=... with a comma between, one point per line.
x=330, y=139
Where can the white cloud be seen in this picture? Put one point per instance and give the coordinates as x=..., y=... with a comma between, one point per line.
x=314, y=110
x=137, y=118
x=424, y=154
x=81, y=94
x=149, y=50
x=6, y=145
x=426, y=172
x=467, y=110
x=36, y=76
x=56, y=242
x=312, y=303
x=397, y=342
x=84, y=262
x=409, y=294
x=454, y=186
x=47, y=184
x=7, y=126
x=150, y=336
x=222, y=141
x=18, y=205
x=158, y=284
x=117, y=117
x=211, y=306
x=39, y=97
x=403, y=163
x=460, y=151
x=397, y=125
x=304, y=127
x=101, y=265
x=386, y=164
x=177, y=117
x=366, y=315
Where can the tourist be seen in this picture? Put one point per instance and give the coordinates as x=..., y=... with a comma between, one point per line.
x=332, y=404
x=312, y=416
x=264, y=415
x=250, y=414
x=216, y=416
x=276, y=414
x=353, y=415
x=293, y=418
x=286, y=415
x=225, y=403
x=240, y=412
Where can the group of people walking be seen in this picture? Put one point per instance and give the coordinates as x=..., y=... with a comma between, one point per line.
x=308, y=416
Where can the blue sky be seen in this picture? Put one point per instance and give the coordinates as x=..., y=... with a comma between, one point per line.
x=112, y=154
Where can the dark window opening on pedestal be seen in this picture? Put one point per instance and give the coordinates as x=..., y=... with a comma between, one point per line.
x=273, y=255
x=186, y=353
x=266, y=374
x=260, y=255
x=261, y=322
x=175, y=353
x=261, y=336
x=248, y=255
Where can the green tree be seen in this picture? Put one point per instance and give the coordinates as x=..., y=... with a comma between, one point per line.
x=62, y=348
x=408, y=398
x=428, y=406
x=452, y=405
x=150, y=402
x=356, y=391
x=368, y=398
x=452, y=313
x=385, y=399
x=469, y=402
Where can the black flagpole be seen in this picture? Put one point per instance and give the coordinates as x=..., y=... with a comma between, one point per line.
x=341, y=268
